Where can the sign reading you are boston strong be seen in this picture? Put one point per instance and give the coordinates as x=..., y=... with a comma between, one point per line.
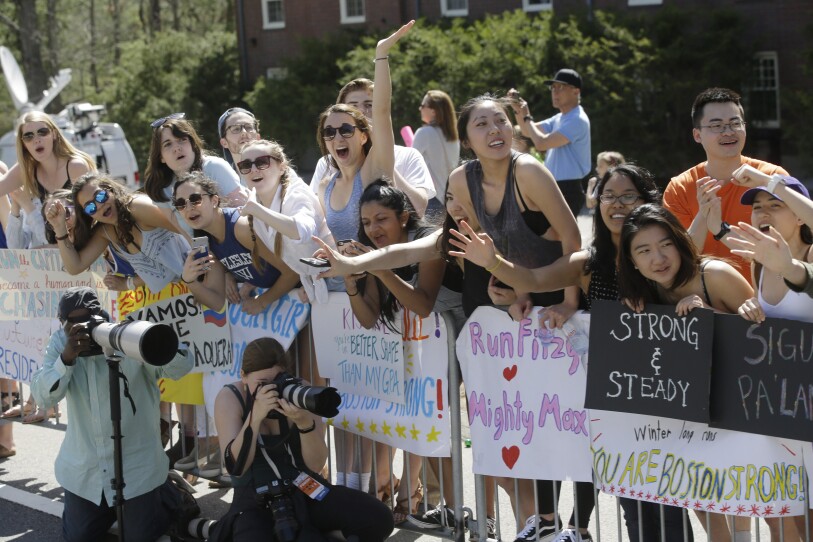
x=652, y=362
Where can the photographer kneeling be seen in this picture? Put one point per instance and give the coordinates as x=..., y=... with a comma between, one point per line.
x=273, y=450
x=74, y=368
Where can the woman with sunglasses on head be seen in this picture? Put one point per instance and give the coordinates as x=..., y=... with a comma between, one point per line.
x=360, y=155
x=177, y=149
x=138, y=231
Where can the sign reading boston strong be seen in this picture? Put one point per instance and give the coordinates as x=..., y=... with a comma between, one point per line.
x=33, y=281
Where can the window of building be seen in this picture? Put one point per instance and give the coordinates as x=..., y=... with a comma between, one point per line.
x=645, y=2
x=537, y=5
x=763, y=95
x=454, y=8
x=276, y=74
x=352, y=11
x=273, y=14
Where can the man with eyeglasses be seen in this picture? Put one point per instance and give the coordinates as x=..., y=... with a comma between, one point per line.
x=564, y=137
x=236, y=127
x=703, y=198
x=85, y=464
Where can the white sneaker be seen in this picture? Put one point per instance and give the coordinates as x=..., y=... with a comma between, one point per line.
x=573, y=535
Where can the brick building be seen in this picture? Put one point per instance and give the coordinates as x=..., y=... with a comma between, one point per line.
x=269, y=32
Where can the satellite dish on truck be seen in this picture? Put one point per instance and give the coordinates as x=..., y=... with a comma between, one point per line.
x=79, y=123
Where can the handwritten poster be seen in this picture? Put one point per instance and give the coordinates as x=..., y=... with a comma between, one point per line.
x=525, y=388
x=763, y=377
x=358, y=360
x=282, y=320
x=692, y=465
x=32, y=283
x=421, y=424
x=22, y=346
x=205, y=331
x=652, y=362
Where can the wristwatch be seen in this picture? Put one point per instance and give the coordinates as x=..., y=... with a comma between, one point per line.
x=725, y=227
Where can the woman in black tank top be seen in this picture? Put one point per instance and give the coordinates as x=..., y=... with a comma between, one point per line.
x=47, y=161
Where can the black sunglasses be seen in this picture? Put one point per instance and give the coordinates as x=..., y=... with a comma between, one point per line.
x=194, y=200
x=92, y=206
x=41, y=132
x=157, y=123
x=262, y=162
x=346, y=130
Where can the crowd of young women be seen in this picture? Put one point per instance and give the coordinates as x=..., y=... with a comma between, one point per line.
x=504, y=236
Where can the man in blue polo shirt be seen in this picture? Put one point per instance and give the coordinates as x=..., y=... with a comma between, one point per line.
x=564, y=137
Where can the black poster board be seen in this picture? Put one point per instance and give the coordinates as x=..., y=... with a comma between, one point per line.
x=762, y=381
x=653, y=363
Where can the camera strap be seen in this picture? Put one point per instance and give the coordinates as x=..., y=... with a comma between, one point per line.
x=123, y=377
x=268, y=459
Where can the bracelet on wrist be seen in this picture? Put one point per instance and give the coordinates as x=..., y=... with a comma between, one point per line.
x=527, y=118
x=495, y=266
x=776, y=179
x=351, y=295
x=308, y=430
x=381, y=58
x=61, y=237
x=187, y=281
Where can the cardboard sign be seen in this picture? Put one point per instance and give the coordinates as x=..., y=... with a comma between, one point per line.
x=33, y=281
x=692, y=465
x=525, y=390
x=205, y=331
x=357, y=360
x=652, y=362
x=763, y=377
x=22, y=346
x=422, y=424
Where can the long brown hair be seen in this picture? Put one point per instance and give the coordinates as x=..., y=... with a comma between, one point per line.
x=121, y=197
x=158, y=175
x=445, y=118
x=62, y=149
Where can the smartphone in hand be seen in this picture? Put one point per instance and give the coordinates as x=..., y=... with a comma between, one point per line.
x=200, y=247
x=315, y=262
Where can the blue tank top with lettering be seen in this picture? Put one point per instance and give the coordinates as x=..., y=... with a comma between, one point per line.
x=237, y=259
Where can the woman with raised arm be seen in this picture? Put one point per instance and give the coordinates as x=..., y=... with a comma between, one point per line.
x=360, y=155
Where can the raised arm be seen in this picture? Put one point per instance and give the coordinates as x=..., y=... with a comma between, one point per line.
x=381, y=159
x=75, y=261
x=11, y=180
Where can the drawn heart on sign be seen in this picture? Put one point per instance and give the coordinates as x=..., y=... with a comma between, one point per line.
x=510, y=455
x=509, y=372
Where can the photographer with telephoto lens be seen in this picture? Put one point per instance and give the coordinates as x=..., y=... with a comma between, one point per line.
x=274, y=449
x=85, y=465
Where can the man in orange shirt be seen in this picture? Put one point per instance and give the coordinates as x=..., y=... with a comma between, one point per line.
x=703, y=198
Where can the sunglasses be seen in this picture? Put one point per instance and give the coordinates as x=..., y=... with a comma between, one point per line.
x=262, y=162
x=41, y=132
x=346, y=130
x=92, y=206
x=194, y=200
x=157, y=123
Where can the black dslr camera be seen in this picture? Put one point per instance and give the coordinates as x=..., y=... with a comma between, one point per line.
x=316, y=399
x=276, y=497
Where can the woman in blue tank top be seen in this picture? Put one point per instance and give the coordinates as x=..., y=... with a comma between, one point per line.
x=359, y=154
x=233, y=242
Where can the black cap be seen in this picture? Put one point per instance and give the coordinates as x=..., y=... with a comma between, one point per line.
x=79, y=297
x=568, y=77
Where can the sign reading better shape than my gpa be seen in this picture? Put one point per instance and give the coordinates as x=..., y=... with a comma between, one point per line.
x=653, y=362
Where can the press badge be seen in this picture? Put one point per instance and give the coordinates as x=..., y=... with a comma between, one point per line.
x=310, y=487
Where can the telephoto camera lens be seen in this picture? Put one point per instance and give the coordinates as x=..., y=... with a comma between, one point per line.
x=319, y=400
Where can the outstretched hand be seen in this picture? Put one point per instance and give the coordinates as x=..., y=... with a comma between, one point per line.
x=55, y=214
x=750, y=176
x=339, y=265
x=248, y=208
x=478, y=248
x=384, y=46
x=767, y=248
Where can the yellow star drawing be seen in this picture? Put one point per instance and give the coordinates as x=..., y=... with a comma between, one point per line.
x=401, y=430
x=386, y=429
x=360, y=425
x=414, y=432
x=345, y=423
x=373, y=427
x=24, y=273
x=432, y=435
x=330, y=421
